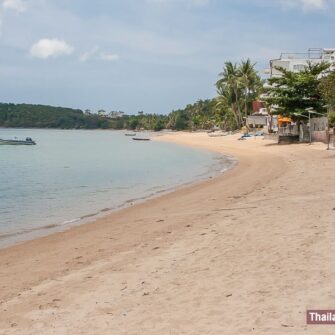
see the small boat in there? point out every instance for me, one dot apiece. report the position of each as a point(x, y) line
point(246, 136)
point(218, 134)
point(27, 141)
point(141, 139)
point(130, 134)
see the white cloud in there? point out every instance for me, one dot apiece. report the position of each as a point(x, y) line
point(96, 55)
point(46, 48)
point(13, 5)
point(86, 56)
point(306, 4)
point(109, 57)
point(16, 5)
point(189, 2)
point(199, 2)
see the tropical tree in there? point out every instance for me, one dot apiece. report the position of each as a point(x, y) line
point(229, 85)
point(250, 83)
point(225, 114)
point(292, 93)
point(225, 105)
point(327, 89)
point(238, 87)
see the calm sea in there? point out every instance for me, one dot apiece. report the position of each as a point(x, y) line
point(72, 176)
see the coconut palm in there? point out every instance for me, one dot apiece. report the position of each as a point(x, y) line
point(238, 85)
point(229, 85)
point(226, 109)
point(249, 80)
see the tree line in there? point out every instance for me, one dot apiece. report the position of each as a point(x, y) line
point(239, 84)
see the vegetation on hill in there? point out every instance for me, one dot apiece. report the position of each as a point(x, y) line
point(238, 86)
point(39, 116)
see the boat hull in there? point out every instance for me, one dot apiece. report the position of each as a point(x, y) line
point(141, 139)
point(15, 142)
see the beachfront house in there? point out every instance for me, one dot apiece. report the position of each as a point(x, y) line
point(260, 118)
point(297, 62)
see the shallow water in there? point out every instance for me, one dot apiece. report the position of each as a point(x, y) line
point(73, 176)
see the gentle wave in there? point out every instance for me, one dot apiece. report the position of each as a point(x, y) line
point(36, 229)
point(107, 173)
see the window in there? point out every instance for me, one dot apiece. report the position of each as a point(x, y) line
point(299, 67)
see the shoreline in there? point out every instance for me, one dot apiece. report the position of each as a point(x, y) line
point(225, 256)
point(12, 239)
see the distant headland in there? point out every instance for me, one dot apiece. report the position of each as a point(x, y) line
point(44, 116)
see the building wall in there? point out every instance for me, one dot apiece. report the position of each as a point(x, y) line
point(320, 136)
point(297, 61)
point(295, 65)
point(319, 123)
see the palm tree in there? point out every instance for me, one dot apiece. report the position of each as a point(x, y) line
point(229, 85)
point(226, 108)
point(248, 80)
point(239, 85)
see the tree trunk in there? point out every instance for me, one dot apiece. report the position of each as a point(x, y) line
point(240, 123)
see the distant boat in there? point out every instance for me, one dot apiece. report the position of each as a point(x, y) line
point(141, 139)
point(130, 134)
point(27, 141)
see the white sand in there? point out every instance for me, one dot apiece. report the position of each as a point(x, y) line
point(247, 252)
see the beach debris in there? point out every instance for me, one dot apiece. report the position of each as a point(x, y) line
point(286, 326)
point(155, 248)
point(229, 295)
point(160, 220)
point(146, 293)
point(234, 209)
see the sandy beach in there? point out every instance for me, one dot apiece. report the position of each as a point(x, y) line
point(247, 252)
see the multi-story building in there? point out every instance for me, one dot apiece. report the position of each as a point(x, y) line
point(297, 62)
point(115, 114)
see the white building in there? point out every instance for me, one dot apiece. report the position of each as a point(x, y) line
point(297, 62)
point(102, 112)
point(115, 114)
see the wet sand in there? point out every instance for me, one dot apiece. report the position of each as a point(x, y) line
point(246, 252)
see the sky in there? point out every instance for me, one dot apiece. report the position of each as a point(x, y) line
point(145, 55)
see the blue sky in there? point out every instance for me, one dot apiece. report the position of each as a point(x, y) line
point(150, 55)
